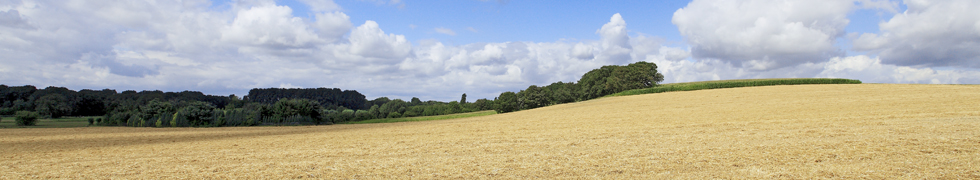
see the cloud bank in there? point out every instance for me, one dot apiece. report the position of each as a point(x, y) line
point(147, 45)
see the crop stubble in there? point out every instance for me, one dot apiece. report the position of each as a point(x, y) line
point(801, 131)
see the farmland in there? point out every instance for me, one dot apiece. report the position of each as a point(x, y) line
point(880, 131)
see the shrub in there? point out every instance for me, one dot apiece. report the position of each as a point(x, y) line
point(394, 115)
point(98, 120)
point(507, 102)
point(363, 115)
point(91, 121)
point(27, 118)
point(7, 111)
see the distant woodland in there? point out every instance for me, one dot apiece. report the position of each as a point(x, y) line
point(311, 106)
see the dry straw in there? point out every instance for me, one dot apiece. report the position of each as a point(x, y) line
point(877, 131)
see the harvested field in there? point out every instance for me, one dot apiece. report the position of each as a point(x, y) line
point(878, 131)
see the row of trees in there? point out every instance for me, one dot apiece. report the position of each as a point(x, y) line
point(283, 112)
point(202, 114)
point(59, 101)
point(301, 106)
point(327, 97)
point(190, 108)
point(594, 84)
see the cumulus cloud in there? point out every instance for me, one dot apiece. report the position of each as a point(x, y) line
point(191, 46)
point(368, 40)
point(615, 41)
point(269, 29)
point(332, 26)
point(872, 70)
point(764, 34)
point(582, 51)
point(929, 33)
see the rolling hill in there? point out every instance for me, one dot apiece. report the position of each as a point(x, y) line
point(880, 131)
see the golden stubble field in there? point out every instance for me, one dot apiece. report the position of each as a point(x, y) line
point(877, 131)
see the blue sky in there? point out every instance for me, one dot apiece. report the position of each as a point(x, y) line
point(440, 49)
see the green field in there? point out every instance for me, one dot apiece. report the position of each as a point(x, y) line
point(691, 86)
point(427, 118)
point(65, 122)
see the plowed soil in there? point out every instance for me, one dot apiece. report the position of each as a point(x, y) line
point(878, 131)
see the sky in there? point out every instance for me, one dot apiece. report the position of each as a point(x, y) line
point(440, 49)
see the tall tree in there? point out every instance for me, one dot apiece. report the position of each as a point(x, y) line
point(463, 99)
point(416, 101)
point(396, 105)
point(506, 102)
point(53, 105)
point(612, 79)
point(532, 97)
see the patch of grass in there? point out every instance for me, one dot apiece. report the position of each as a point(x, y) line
point(65, 122)
point(427, 118)
point(691, 86)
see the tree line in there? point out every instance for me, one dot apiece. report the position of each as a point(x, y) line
point(293, 106)
point(593, 84)
point(266, 106)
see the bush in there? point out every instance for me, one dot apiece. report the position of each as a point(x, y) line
point(27, 118)
point(7, 111)
point(91, 121)
point(394, 115)
point(507, 102)
point(98, 120)
point(363, 115)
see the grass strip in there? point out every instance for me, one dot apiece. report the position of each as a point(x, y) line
point(691, 86)
point(426, 118)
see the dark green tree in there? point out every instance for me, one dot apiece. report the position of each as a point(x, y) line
point(394, 115)
point(506, 102)
point(416, 101)
point(53, 105)
point(560, 93)
point(483, 104)
point(396, 105)
point(612, 79)
point(374, 112)
point(532, 97)
point(197, 113)
point(635, 76)
point(286, 108)
point(463, 99)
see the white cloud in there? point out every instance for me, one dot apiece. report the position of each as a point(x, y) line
point(471, 29)
point(582, 51)
point(615, 41)
point(929, 33)
point(872, 70)
point(446, 31)
point(764, 34)
point(332, 26)
point(368, 40)
point(269, 28)
point(864, 68)
point(253, 44)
